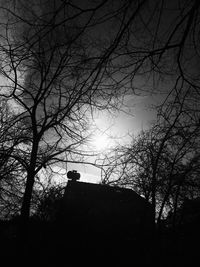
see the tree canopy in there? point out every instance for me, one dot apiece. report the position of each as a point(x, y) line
point(61, 60)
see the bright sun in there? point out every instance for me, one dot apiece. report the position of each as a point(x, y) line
point(100, 142)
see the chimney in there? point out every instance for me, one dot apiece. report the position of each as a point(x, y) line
point(73, 175)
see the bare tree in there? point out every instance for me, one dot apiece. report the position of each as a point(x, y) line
point(162, 53)
point(56, 71)
point(11, 172)
point(64, 59)
point(161, 164)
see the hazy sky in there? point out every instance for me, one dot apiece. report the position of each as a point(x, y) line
point(134, 117)
point(115, 128)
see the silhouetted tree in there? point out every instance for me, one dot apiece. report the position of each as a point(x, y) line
point(61, 60)
point(158, 166)
point(11, 172)
point(179, 115)
point(49, 204)
point(56, 71)
point(163, 49)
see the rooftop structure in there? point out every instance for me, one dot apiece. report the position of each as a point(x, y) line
point(105, 208)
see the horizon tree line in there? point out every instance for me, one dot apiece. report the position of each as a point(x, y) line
point(62, 61)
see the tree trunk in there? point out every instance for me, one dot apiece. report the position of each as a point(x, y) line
point(25, 209)
point(26, 204)
point(163, 204)
point(154, 206)
point(153, 194)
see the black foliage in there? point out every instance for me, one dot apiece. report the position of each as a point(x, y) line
point(68, 241)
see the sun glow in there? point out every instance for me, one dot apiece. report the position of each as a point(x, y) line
point(100, 142)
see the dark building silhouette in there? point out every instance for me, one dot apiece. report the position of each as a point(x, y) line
point(97, 218)
point(191, 211)
point(106, 208)
point(95, 224)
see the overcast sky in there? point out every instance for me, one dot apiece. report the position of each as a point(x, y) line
point(137, 114)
